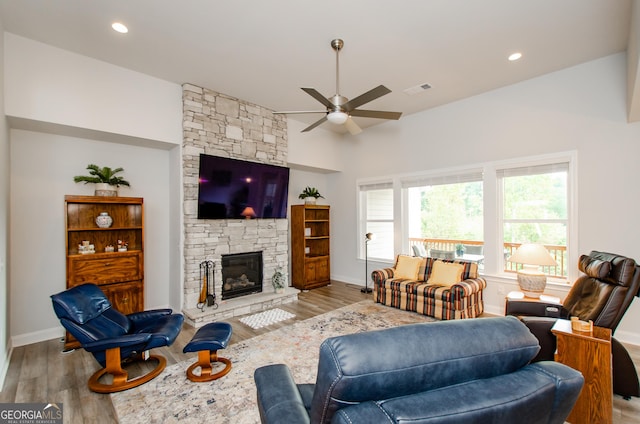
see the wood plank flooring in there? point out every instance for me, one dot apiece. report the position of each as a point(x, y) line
point(41, 373)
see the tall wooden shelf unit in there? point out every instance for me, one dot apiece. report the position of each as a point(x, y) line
point(120, 275)
point(310, 259)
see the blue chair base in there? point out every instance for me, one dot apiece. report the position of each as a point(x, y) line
point(120, 376)
point(206, 342)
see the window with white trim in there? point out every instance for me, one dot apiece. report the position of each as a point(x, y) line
point(445, 210)
point(535, 209)
point(531, 199)
point(376, 206)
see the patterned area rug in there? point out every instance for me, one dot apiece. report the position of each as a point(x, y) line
point(171, 398)
point(262, 319)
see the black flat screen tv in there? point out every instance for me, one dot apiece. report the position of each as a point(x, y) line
point(231, 188)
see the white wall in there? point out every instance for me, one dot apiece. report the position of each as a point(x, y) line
point(581, 108)
point(4, 225)
point(85, 111)
point(39, 182)
point(317, 150)
point(51, 85)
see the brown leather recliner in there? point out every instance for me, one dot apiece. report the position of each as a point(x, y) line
point(602, 294)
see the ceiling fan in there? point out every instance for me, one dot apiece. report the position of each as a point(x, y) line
point(339, 109)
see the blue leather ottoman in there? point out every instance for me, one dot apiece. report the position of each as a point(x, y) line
point(207, 341)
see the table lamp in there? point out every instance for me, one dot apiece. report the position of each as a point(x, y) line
point(531, 280)
point(248, 212)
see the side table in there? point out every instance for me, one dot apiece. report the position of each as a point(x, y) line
point(589, 353)
point(516, 303)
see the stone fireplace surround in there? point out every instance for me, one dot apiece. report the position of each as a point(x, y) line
point(219, 125)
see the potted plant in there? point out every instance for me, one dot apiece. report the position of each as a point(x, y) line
point(105, 179)
point(278, 280)
point(310, 195)
point(460, 249)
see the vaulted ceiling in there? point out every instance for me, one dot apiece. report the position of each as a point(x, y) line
point(265, 51)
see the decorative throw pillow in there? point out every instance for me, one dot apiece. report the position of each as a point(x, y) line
point(445, 273)
point(407, 267)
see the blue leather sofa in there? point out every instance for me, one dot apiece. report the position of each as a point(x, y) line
point(463, 371)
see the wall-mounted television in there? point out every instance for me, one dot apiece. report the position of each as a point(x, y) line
point(231, 188)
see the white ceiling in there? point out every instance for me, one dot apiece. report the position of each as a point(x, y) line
point(264, 51)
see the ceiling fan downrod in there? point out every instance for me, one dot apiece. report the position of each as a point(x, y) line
point(337, 45)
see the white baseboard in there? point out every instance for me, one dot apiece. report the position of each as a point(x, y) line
point(349, 280)
point(37, 336)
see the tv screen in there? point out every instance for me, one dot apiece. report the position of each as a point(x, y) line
point(232, 188)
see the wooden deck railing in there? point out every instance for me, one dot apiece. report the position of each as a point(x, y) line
point(559, 253)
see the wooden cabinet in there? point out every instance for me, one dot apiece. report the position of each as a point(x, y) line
point(310, 259)
point(589, 353)
point(120, 274)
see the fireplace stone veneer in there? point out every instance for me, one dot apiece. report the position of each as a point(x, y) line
point(219, 125)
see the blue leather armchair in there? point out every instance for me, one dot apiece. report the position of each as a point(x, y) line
point(462, 371)
point(112, 337)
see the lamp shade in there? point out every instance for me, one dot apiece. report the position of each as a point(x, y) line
point(337, 117)
point(370, 236)
point(532, 254)
point(248, 212)
point(532, 282)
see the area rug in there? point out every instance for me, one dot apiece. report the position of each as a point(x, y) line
point(262, 319)
point(171, 398)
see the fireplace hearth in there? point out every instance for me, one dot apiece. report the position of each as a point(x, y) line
point(241, 274)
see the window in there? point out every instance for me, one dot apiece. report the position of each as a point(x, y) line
point(376, 205)
point(535, 204)
point(490, 209)
point(445, 211)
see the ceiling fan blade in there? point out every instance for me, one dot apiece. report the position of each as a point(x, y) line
point(315, 124)
point(370, 95)
point(380, 114)
point(352, 127)
point(319, 97)
point(298, 111)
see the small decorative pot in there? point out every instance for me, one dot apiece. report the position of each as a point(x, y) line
point(105, 190)
point(310, 200)
point(104, 220)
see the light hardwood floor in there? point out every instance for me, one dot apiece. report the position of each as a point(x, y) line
point(41, 373)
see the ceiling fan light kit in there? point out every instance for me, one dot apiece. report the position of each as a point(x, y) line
point(339, 109)
point(338, 118)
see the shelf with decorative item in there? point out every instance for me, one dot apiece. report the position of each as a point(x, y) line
point(105, 246)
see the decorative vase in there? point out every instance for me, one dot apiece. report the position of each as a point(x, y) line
point(309, 200)
point(105, 190)
point(104, 220)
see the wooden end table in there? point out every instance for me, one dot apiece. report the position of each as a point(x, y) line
point(589, 353)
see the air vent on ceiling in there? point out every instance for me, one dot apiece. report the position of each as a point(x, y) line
point(417, 89)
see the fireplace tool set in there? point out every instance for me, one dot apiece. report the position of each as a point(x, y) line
point(207, 285)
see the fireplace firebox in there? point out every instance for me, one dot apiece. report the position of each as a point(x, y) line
point(241, 274)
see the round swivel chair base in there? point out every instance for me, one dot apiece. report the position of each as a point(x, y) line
point(120, 377)
point(206, 367)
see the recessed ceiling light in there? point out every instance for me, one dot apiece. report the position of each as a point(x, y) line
point(515, 56)
point(121, 28)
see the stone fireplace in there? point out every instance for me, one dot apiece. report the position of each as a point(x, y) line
point(220, 125)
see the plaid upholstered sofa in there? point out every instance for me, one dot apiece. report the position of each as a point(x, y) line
point(454, 300)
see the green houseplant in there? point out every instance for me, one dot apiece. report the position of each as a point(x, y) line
point(460, 249)
point(310, 195)
point(105, 179)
